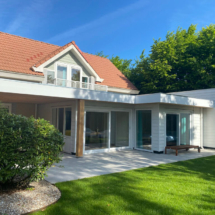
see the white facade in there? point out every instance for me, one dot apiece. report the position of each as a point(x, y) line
point(208, 115)
point(201, 111)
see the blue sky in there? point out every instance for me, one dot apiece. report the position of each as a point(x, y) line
point(116, 27)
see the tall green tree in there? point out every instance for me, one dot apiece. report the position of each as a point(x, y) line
point(123, 65)
point(185, 60)
point(101, 54)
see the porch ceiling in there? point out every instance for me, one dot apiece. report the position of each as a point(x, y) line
point(22, 98)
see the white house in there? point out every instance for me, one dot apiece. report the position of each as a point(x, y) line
point(93, 104)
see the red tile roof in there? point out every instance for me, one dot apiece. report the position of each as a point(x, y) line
point(19, 54)
point(107, 70)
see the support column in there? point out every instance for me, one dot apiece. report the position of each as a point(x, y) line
point(80, 128)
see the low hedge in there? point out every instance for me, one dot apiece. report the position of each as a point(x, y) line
point(28, 147)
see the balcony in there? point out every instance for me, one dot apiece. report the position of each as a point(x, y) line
point(77, 84)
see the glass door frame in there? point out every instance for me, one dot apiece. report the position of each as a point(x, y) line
point(105, 110)
point(135, 129)
point(69, 71)
point(64, 117)
point(179, 126)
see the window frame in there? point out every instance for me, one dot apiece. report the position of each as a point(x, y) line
point(135, 128)
point(64, 117)
point(50, 70)
point(108, 110)
point(69, 71)
point(85, 82)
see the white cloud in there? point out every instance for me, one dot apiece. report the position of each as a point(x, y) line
point(99, 22)
point(28, 17)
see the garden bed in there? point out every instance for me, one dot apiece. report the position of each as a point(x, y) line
point(37, 196)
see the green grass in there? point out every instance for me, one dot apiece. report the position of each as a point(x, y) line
point(186, 187)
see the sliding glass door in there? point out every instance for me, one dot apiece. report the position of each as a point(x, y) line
point(96, 131)
point(106, 130)
point(119, 129)
point(172, 129)
point(178, 129)
point(184, 129)
point(143, 129)
point(62, 120)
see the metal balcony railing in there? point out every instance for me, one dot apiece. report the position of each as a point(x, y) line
point(77, 84)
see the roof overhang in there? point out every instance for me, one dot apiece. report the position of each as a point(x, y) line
point(122, 90)
point(77, 54)
point(36, 89)
point(174, 99)
point(21, 76)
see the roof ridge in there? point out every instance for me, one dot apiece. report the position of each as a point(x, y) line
point(50, 54)
point(1, 32)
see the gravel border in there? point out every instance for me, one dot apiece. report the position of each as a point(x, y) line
point(40, 196)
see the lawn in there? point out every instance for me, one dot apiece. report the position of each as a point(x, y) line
point(186, 187)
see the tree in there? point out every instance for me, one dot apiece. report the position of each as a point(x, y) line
point(183, 61)
point(101, 54)
point(123, 65)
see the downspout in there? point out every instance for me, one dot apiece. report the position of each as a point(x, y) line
point(202, 129)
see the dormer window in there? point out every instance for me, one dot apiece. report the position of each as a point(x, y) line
point(84, 82)
point(50, 77)
point(75, 75)
point(62, 77)
point(71, 75)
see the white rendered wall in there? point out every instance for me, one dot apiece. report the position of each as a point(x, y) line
point(208, 114)
point(176, 109)
point(209, 128)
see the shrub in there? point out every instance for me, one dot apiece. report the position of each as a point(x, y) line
point(28, 147)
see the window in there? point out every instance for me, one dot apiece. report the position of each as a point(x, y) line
point(185, 129)
point(68, 119)
point(84, 82)
point(96, 133)
point(61, 75)
point(62, 119)
point(143, 129)
point(50, 77)
point(172, 129)
point(67, 75)
point(75, 76)
point(119, 129)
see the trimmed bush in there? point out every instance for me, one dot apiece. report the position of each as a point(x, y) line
point(28, 147)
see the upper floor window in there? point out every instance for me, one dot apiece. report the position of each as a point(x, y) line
point(62, 76)
point(75, 75)
point(50, 77)
point(61, 72)
point(67, 75)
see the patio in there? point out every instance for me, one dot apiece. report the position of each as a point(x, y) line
point(72, 168)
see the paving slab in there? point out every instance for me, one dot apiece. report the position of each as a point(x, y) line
point(72, 168)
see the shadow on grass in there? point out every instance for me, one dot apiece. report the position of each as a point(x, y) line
point(185, 187)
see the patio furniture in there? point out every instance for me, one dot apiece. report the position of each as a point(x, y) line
point(187, 147)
